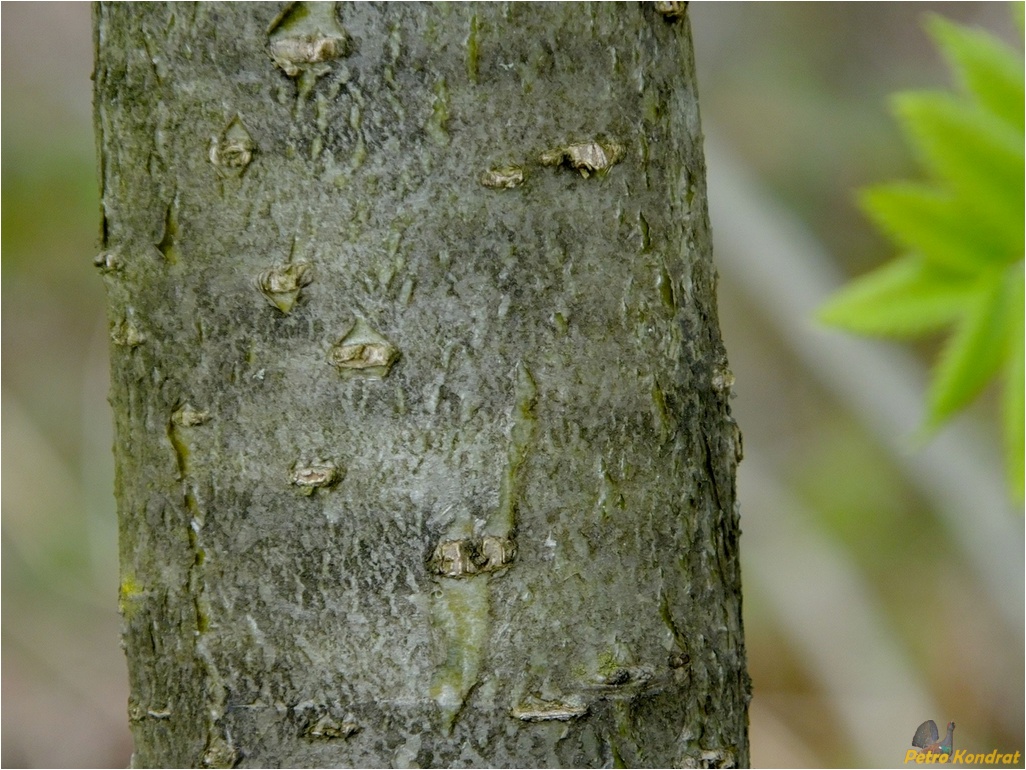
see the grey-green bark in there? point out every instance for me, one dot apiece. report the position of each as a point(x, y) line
point(423, 444)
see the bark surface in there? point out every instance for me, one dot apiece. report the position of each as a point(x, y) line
point(424, 453)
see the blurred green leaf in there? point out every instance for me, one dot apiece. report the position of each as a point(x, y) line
point(963, 234)
point(977, 349)
point(979, 156)
point(900, 299)
point(936, 225)
point(1013, 408)
point(990, 70)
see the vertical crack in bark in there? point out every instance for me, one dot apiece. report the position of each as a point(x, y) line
point(502, 522)
point(667, 616)
point(168, 244)
point(219, 751)
point(710, 469)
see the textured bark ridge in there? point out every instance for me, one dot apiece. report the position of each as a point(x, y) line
point(423, 441)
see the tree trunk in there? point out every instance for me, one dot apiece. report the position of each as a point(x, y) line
point(424, 454)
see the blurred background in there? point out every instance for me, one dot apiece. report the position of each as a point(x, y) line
point(884, 580)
